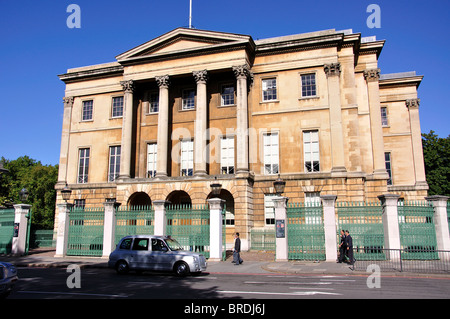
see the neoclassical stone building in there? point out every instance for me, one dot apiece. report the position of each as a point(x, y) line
point(169, 117)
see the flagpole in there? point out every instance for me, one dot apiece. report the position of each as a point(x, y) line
point(190, 14)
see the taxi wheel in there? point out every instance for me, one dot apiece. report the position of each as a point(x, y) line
point(181, 269)
point(122, 267)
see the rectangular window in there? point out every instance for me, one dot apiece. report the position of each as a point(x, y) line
point(187, 158)
point(83, 165)
point(384, 118)
point(87, 110)
point(188, 100)
point(308, 85)
point(79, 203)
point(117, 106)
point(269, 209)
point(114, 163)
point(227, 155)
point(227, 95)
point(271, 153)
point(311, 151)
point(387, 162)
point(312, 200)
point(152, 151)
point(153, 105)
point(269, 89)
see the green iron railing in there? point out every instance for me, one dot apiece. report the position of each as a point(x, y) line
point(6, 230)
point(189, 226)
point(306, 237)
point(364, 222)
point(43, 238)
point(134, 220)
point(263, 239)
point(417, 230)
point(85, 236)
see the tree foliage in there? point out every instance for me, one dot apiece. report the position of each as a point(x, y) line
point(40, 182)
point(436, 152)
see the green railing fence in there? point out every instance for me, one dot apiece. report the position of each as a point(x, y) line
point(364, 222)
point(263, 239)
point(417, 230)
point(306, 237)
point(134, 220)
point(86, 232)
point(6, 230)
point(189, 226)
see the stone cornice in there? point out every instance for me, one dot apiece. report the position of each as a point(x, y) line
point(90, 73)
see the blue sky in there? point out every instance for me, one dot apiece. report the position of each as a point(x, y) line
point(36, 45)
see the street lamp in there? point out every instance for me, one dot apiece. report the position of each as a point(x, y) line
point(216, 187)
point(279, 185)
point(23, 194)
point(65, 192)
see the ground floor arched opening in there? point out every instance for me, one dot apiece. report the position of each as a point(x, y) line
point(179, 198)
point(139, 199)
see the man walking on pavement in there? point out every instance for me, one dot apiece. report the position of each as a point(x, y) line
point(349, 243)
point(237, 249)
point(342, 247)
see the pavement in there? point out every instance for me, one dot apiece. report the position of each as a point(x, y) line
point(254, 262)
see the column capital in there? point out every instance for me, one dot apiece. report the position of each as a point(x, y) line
point(332, 69)
point(163, 81)
point(412, 103)
point(372, 75)
point(200, 76)
point(68, 101)
point(128, 86)
point(242, 71)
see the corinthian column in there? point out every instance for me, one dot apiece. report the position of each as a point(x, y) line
point(379, 169)
point(242, 72)
point(65, 137)
point(127, 129)
point(200, 124)
point(163, 126)
point(416, 139)
point(333, 72)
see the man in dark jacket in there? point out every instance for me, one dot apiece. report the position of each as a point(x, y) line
point(349, 243)
point(237, 249)
point(342, 247)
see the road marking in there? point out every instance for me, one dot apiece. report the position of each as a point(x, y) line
point(287, 283)
point(70, 293)
point(335, 280)
point(297, 293)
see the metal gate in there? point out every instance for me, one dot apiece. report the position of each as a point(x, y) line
point(86, 232)
point(6, 230)
point(364, 221)
point(136, 220)
point(189, 226)
point(417, 230)
point(306, 236)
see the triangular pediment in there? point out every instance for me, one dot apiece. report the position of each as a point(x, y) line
point(183, 40)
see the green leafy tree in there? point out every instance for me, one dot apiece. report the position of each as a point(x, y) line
point(40, 182)
point(436, 152)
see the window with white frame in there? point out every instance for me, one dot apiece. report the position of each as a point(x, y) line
point(269, 89)
point(152, 151)
point(309, 85)
point(311, 151)
point(153, 102)
point(271, 153)
point(87, 110)
point(83, 165)
point(384, 116)
point(188, 99)
point(388, 164)
point(227, 95)
point(312, 201)
point(114, 163)
point(227, 155)
point(117, 106)
point(187, 158)
point(269, 209)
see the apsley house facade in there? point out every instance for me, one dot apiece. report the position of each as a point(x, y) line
point(192, 107)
